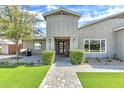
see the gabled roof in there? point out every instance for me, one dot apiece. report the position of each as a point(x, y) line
point(102, 19)
point(61, 9)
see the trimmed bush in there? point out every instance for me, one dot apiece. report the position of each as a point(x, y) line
point(98, 59)
point(48, 57)
point(109, 60)
point(4, 62)
point(76, 56)
point(29, 63)
point(86, 60)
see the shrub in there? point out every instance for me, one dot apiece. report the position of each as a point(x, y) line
point(86, 60)
point(76, 56)
point(114, 56)
point(5, 62)
point(31, 63)
point(48, 57)
point(98, 59)
point(109, 60)
point(24, 63)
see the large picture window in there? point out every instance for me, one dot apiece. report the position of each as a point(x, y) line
point(95, 45)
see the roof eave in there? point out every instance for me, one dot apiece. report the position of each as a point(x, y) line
point(59, 9)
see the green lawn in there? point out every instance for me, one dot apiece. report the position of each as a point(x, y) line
point(22, 76)
point(101, 79)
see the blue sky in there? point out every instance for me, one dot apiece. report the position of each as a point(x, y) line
point(88, 12)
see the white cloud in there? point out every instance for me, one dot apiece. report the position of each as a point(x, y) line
point(75, 9)
point(115, 10)
point(84, 18)
point(87, 17)
point(51, 7)
point(108, 12)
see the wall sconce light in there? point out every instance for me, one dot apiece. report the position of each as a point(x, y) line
point(73, 40)
point(49, 40)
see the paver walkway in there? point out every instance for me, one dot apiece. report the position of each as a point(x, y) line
point(62, 73)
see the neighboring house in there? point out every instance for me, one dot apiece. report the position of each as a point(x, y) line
point(102, 38)
point(37, 44)
point(8, 47)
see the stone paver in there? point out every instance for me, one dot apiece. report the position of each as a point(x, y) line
point(62, 73)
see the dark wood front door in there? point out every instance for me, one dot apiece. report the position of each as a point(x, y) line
point(62, 47)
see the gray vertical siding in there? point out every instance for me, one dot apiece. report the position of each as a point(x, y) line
point(61, 26)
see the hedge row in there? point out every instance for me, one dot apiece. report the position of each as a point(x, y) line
point(76, 56)
point(48, 57)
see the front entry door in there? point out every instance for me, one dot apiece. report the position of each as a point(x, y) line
point(62, 47)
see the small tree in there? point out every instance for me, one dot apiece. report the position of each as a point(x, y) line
point(17, 23)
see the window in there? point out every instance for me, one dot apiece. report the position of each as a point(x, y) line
point(37, 46)
point(95, 45)
point(86, 46)
point(102, 45)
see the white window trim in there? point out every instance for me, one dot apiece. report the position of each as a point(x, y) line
point(100, 45)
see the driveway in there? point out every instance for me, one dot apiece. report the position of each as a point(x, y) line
point(62, 73)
